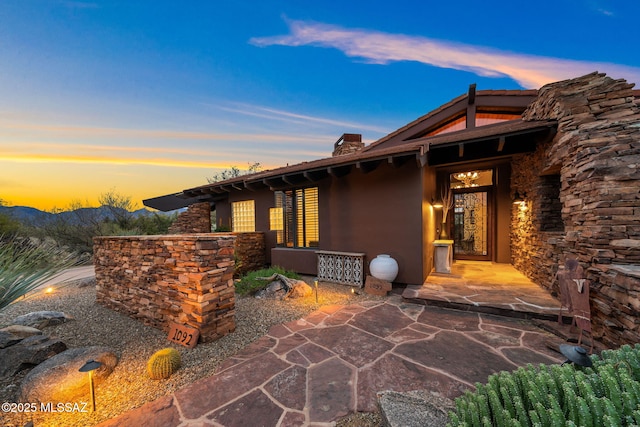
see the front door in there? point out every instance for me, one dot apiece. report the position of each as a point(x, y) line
point(471, 224)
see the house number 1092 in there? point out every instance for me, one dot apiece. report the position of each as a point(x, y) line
point(183, 335)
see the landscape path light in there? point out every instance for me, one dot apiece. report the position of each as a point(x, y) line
point(576, 355)
point(315, 282)
point(89, 367)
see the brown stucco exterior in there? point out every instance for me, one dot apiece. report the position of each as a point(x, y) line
point(380, 212)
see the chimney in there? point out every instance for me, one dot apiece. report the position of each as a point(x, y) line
point(347, 144)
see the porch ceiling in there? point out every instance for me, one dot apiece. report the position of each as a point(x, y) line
point(520, 137)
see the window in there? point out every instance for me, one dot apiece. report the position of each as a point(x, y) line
point(299, 210)
point(243, 216)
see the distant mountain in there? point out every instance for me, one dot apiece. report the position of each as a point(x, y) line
point(33, 216)
point(26, 214)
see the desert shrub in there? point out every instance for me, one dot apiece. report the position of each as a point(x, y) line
point(606, 394)
point(250, 283)
point(25, 264)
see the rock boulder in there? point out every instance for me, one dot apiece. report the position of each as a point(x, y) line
point(41, 319)
point(28, 352)
point(58, 379)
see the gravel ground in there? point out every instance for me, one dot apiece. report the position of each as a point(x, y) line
point(129, 386)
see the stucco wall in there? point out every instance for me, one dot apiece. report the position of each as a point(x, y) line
point(185, 279)
point(379, 212)
point(597, 155)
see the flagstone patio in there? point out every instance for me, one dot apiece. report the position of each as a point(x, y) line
point(315, 370)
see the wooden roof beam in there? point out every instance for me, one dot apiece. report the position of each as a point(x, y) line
point(294, 179)
point(339, 171)
point(315, 175)
point(368, 166)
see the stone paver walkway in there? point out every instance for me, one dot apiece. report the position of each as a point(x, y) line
point(315, 370)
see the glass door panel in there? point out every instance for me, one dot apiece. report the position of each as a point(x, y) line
point(471, 225)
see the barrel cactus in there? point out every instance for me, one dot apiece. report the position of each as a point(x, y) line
point(163, 363)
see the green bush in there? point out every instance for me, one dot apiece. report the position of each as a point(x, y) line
point(250, 284)
point(606, 394)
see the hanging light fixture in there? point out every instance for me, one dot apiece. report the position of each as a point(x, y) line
point(467, 178)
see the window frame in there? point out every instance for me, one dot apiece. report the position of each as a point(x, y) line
point(300, 218)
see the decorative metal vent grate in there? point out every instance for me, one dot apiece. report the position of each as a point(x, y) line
point(341, 267)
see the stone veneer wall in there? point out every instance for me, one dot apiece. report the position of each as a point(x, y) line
point(250, 252)
point(187, 279)
point(196, 219)
point(596, 153)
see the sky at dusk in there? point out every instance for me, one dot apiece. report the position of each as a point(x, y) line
point(147, 98)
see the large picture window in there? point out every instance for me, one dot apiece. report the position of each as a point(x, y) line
point(299, 210)
point(243, 216)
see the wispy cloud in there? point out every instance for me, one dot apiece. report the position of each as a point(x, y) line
point(295, 118)
point(87, 131)
point(375, 47)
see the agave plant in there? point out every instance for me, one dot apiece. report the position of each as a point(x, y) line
point(25, 265)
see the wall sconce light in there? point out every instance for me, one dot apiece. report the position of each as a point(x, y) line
point(518, 199)
point(437, 204)
point(91, 366)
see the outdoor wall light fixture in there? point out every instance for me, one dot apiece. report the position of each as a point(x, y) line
point(437, 204)
point(89, 367)
point(518, 198)
point(576, 355)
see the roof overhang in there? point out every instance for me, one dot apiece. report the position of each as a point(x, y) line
point(171, 202)
point(485, 142)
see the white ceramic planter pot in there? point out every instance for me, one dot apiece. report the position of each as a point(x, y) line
point(384, 267)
